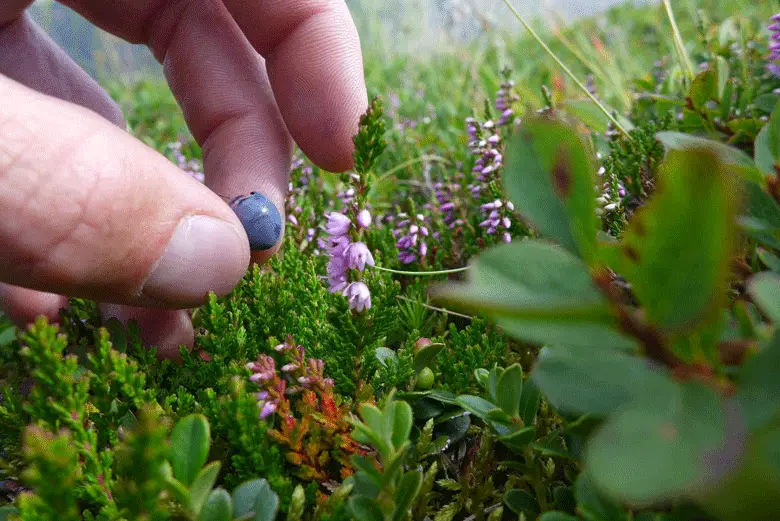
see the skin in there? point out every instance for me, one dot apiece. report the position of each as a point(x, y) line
point(88, 211)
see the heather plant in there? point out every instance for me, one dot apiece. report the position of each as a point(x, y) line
point(547, 290)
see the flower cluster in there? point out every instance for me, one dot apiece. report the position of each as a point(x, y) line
point(485, 145)
point(191, 166)
point(774, 46)
point(446, 195)
point(348, 257)
point(319, 433)
point(611, 192)
point(411, 233)
point(498, 217)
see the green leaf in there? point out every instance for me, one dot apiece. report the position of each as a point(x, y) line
point(704, 89)
point(476, 405)
point(6, 513)
point(365, 509)
point(556, 516)
point(769, 259)
point(367, 468)
point(763, 153)
point(118, 335)
point(492, 383)
point(765, 290)
point(551, 300)
point(406, 494)
point(564, 498)
point(644, 455)
point(722, 72)
point(201, 487)
point(190, 441)
point(7, 336)
point(385, 356)
point(426, 356)
point(549, 176)
point(529, 401)
point(597, 381)
point(759, 386)
point(735, 157)
point(766, 102)
point(521, 502)
point(509, 390)
point(373, 418)
point(255, 498)
point(402, 424)
point(217, 507)
point(592, 504)
point(445, 397)
point(518, 440)
point(680, 244)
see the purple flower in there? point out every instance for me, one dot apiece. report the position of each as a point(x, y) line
point(358, 296)
point(364, 218)
point(267, 410)
point(357, 255)
point(409, 232)
point(774, 56)
point(338, 224)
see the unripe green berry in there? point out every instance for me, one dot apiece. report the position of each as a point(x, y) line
point(425, 379)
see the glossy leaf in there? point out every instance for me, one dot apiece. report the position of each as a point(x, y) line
point(530, 401)
point(518, 440)
point(597, 381)
point(592, 504)
point(406, 494)
point(256, 498)
point(690, 220)
point(704, 89)
point(426, 356)
point(365, 509)
point(642, 455)
point(402, 423)
point(549, 176)
point(385, 356)
point(551, 300)
point(190, 441)
point(509, 390)
point(217, 507)
point(201, 487)
point(521, 502)
point(476, 405)
point(743, 163)
point(765, 290)
point(759, 386)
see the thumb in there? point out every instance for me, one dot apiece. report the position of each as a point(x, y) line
point(88, 211)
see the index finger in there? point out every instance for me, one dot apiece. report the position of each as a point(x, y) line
point(315, 66)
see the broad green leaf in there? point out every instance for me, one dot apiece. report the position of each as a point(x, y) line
point(217, 507)
point(704, 89)
point(539, 293)
point(597, 381)
point(743, 163)
point(722, 72)
point(509, 389)
point(521, 502)
point(201, 487)
point(765, 290)
point(759, 386)
point(6, 513)
point(644, 455)
point(443, 396)
point(190, 441)
point(549, 176)
point(367, 467)
point(426, 356)
point(406, 494)
point(765, 161)
point(774, 134)
point(256, 498)
point(402, 424)
point(564, 498)
point(7, 335)
point(762, 207)
point(372, 417)
point(769, 259)
point(766, 102)
point(680, 244)
point(365, 509)
point(454, 429)
point(476, 405)
point(529, 401)
point(385, 356)
point(556, 516)
point(592, 504)
point(492, 386)
point(519, 440)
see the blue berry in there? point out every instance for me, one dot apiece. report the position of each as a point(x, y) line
point(261, 219)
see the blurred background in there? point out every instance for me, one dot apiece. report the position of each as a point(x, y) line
point(386, 27)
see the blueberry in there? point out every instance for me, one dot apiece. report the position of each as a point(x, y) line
point(261, 219)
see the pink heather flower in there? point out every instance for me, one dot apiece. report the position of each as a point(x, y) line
point(338, 224)
point(774, 47)
point(358, 296)
point(268, 409)
point(358, 255)
point(364, 218)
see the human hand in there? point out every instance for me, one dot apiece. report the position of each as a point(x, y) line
point(86, 210)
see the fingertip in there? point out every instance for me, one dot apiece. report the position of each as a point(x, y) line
point(24, 306)
point(166, 330)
